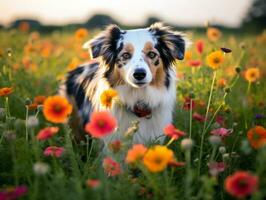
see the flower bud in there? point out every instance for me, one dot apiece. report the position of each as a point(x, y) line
point(215, 140)
point(27, 102)
point(222, 150)
point(187, 144)
point(40, 168)
point(32, 121)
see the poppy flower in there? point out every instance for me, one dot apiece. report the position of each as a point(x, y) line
point(101, 124)
point(188, 103)
point(107, 97)
point(194, 63)
point(222, 132)
point(56, 109)
point(5, 91)
point(199, 46)
point(54, 151)
point(241, 184)
point(136, 153)
point(257, 137)
point(93, 183)
point(198, 117)
point(173, 132)
point(157, 158)
point(47, 133)
point(252, 74)
point(12, 193)
point(215, 59)
point(213, 34)
point(111, 167)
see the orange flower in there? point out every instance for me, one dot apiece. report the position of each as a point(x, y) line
point(188, 55)
point(81, 33)
point(101, 124)
point(56, 109)
point(32, 106)
point(215, 59)
point(252, 74)
point(136, 153)
point(107, 97)
point(5, 91)
point(47, 133)
point(221, 82)
point(257, 137)
point(173, 132)
point(39, 99)
point(157, 158)
point(213, 34)
point(241, 184)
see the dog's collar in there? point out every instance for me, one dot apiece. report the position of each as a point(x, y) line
point(141, 110)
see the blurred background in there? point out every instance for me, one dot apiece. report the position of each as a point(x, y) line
point(50, 15)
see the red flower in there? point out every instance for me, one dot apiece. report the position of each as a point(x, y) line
point(188, 103)
point(13, 193)
point(194, 63)
point(47, 133)
point(172, 132)
point(93, 183)
point(111, 167)
point(220, 120)
point(198, 117)
point(241, 184)
point(199, 46)
point(101, 124)
point(54, 151)
point(115, 146)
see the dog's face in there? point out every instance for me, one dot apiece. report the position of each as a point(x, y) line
point(139, 57)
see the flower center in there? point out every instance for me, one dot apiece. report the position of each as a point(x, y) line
point(158, 160)
point(101, 123)
point(242, 184)
point(216, 60)
point(57, 108)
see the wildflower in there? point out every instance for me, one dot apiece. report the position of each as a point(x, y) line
point(115, 146)
point(39, 100)
point(41, 168)
point(252, 74)
point(136, 153)
point(198, 117)
point(221, 82)
point(241, 184)
point(81, 33)
point(101, 124)
point(194, 63)
point(93, 183)
point(111, 167)
point(32, 121)
point(12, 193)
point(216, 167)
point(172, 132)
point(215, 59)
point(107, 97)
point(54, 151)
point(222, 132)
point(199, 46)
point(187, 144)
point(188, 103)
point(32, 106)
point(257, 137)
point(5, 91)
point(56, 109)
point(215, 140)
point(157, 158)
point(220, 120)
point(213, 34)
point(47, 133)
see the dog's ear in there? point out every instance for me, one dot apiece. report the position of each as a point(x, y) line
point(171, 44)
point(105, 43)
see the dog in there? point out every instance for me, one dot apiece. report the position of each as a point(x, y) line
point(139, 65)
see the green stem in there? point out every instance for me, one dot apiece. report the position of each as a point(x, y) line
point(188, 179)
point(190, 119)
point(26, 123)
point(205, 123)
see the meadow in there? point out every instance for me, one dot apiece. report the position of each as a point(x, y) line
point(215, 148)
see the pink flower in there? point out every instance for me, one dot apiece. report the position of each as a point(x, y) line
point(220, 120)
point(111, 167)
point(54, 151)
point(13, 193)
point(223, 132)
point(47, 133)
point(198, 117)
point(216, 167)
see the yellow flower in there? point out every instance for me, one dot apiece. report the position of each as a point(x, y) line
point(252, 74)
point(157, 158)
point(215, 59)
point(213, 34)
point(107, 97)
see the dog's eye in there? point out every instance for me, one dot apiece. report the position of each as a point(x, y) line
point(151, 54)
point(126, 56)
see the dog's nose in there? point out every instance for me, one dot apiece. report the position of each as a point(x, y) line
point(139, 74)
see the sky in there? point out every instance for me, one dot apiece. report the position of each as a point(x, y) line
point(182, 12)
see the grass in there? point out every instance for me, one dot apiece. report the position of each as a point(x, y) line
point(33, 64)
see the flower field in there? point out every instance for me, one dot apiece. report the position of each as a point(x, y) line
point(214, 149)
